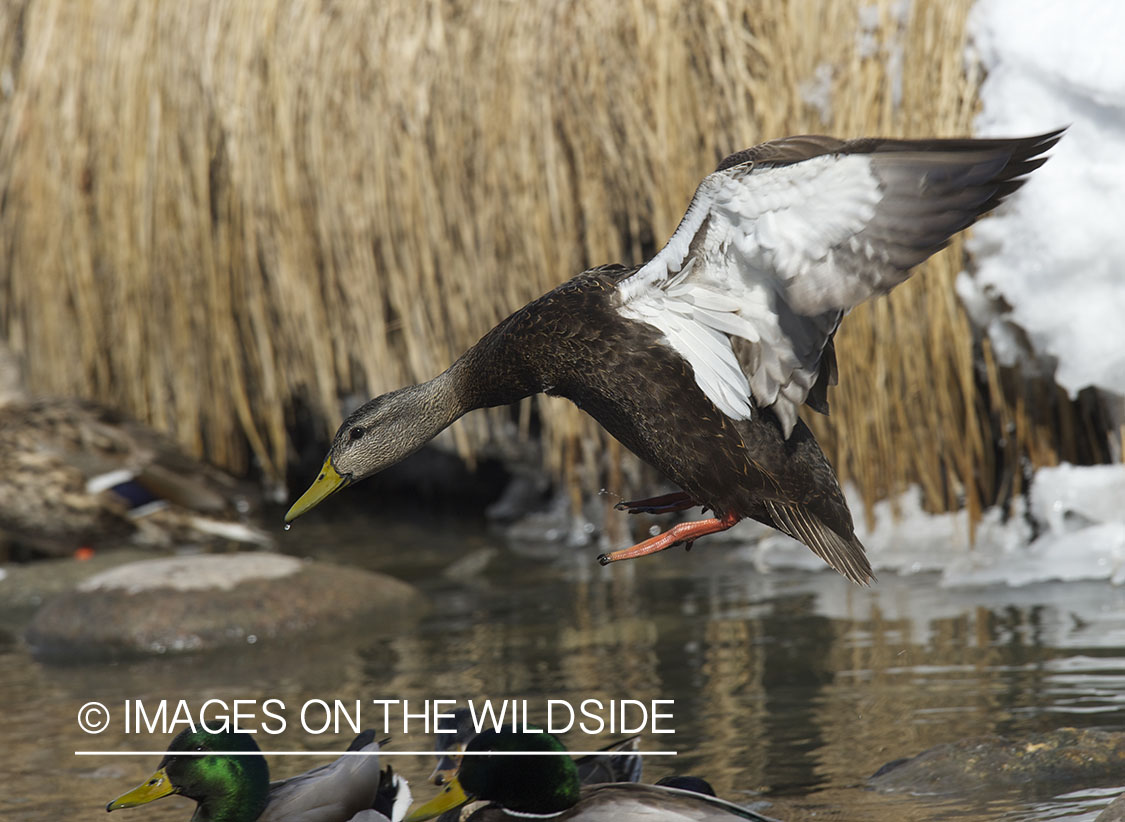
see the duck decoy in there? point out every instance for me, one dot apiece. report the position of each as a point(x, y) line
point(229, 780)
point(546, 785)
point(699, 360)
point(75, 474)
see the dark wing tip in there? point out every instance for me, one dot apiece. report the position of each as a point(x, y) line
point(1026, 155)
point(936, 188)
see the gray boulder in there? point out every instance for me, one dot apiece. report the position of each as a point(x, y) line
point(1038, 764)
point(206, 601)
point(1114, 811)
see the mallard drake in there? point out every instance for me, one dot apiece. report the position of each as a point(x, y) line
point(237, 788)
point(616, 762)
point(699, 360)
point(75, 474)
point(546, 784)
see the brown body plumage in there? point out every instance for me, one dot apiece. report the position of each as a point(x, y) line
point(571, 343)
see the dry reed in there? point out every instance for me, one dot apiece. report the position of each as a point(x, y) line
point(210, 211)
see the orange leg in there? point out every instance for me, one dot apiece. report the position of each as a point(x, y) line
point(664, 504)
point(684, 532)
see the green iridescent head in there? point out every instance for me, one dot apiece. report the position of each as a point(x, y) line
point(202, 766)
point(493, 770)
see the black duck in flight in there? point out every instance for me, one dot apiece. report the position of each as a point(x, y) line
point(699, 360)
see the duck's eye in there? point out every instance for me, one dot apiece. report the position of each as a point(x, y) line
point(356, 432)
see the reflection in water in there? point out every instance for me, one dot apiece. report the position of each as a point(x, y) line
point(795, 686)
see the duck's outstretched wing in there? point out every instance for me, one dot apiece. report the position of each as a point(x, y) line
point(785, 237)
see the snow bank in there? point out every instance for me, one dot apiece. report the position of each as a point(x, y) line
point(1070, 528)
point(1077, 513)
point(1056, 253)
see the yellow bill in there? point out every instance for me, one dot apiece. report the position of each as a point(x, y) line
point(156, 786)
point(453, 796)
point(327, 484)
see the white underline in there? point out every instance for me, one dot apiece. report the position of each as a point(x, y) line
point(376, 753)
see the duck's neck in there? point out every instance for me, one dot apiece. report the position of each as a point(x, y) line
point(493, 372)
point(435, 404)
point(237, 790)
point(237, 807)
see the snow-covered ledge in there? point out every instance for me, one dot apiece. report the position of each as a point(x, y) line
point(1071, 527)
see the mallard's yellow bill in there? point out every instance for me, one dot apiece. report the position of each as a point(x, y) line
point(155, 787)
point(453, 796)
point(327, 484)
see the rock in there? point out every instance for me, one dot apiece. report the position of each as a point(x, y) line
point(1038, 764)
point(27, 586)
point(206, 601)
point(1114, 811)
point(199, 572)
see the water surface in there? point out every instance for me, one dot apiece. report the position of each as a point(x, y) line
point(790, 687)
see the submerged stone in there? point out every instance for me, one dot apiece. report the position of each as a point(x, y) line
point(1042, 763)
point(206, 601)
point(25, 587)
point(1114, 811)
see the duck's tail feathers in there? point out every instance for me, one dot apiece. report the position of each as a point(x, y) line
point(393, 797)
point(844, 554)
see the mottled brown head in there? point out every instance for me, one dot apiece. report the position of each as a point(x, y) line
point(383, 432)
point(379, 434)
